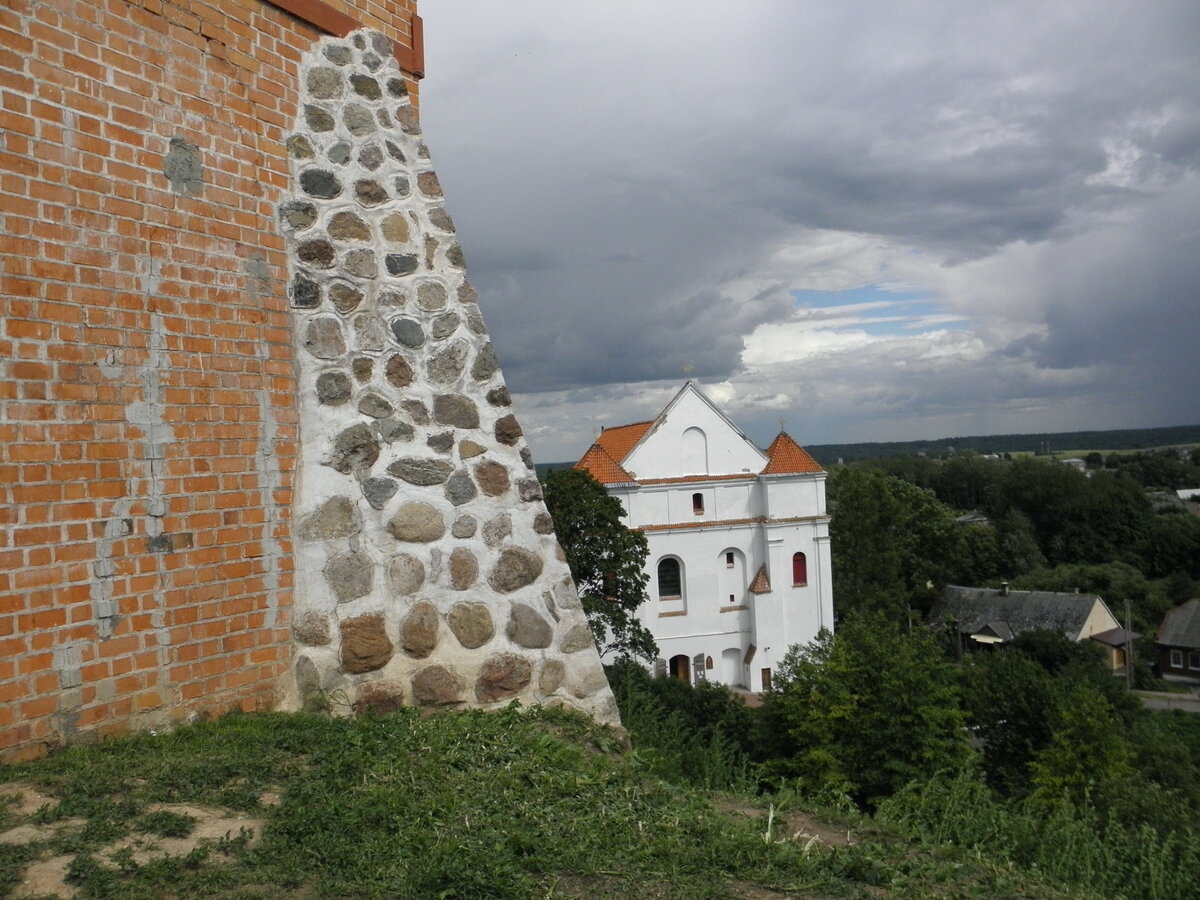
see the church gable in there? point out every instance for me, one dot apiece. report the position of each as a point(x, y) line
point(692, 437)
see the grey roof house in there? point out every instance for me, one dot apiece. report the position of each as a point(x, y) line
point(1178, 642)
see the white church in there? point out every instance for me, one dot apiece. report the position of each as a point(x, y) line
point(739, 562)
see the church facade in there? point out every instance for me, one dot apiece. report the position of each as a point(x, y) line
point(739, 565)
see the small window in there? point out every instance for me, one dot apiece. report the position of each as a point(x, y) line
point(698, 504)
point(708, 662)
point(1176, 659)
point(766, 679)
point(729, 559)
point(731, 600)
point(799, 569)
point(1194, 660)
point(670, 584)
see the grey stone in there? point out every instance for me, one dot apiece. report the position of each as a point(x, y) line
point(527, 458)
point(551, 677)
point(464, 568)
point(397, 88)
point(431, 246)
point(381, 44)
point(369, 334)
point(467, 294)
point(460, 489)
point(318, 119)
point(419, 630)
point(362, 366)
point(428, 184)
point(397, 371)
point(308, 679)
point(529, 489)
point(325, 83)
point(499, 397)
point(359, 42)
point(376, 407)
point(492, 478)
point(431, 296)
point(339, 153)
point(366, 87)
point(446, 366)
point(586, 677)
point(526, 628)
point(355, 449)
point(344, 297)
point(365, 644)
point(389, 299)
point(400, 264)
point(306, 294)
point(319, 183)
point(369, 193)
point(416, 411)
point(318, 253)
point(543, 523)
point(456, 410)
point(472, 624)
point(323, 338)
point(486, 365)
point(454, 256)
point(422, 151)
point(371, 62)
point(444, 326)
point(407, 119)
point(548, 600)
point(350, 575)
point(496, 529)
point(407, 574)
point(508, 430)
point(440, 219)
point(370, 157)
point(468, 449)
point(299, 215)
point(419, 471)
point(336, 518)
point(385, 120)
point(502, 676)
point(436, 686)
point(312, 628)
point(475, 323)
point(299, 147)
point(395, 229)
point(578, 637)
point(408, 333)
point(183, 168)
point(358, 120)
point(390, 431)
point(333, 388)
point(394, 152)
point(417, 522)
point(464, 527)
point(338, 54)
point(442, 442)
point(360, 263)
point(346, 226)
point(401, 186)
point(378, 491)
point(566, 596)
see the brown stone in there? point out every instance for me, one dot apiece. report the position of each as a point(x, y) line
point(407, 574)
point(398, 372)
point(346, 226)
point(416, 410)
point(365, 644)
point(312, 628)
point(344, 297)
point(318, 253)
point(436, 686)
point(419, 630)
point(464, 569)
point(378, 697)
point(502, 676)
point(336, 518)
point(431, 296)
point(420, 471)
point(395, 229)
point(472, 624)
point(579, 637)
point(455, 409)
point(369, 193)
point(440, 219)
point(543, 523)
point(428, 184)
point(527, 628)
point(468, 449)
point(492, 478)
point(551, 677)
point(417, 522)
point(508, 430)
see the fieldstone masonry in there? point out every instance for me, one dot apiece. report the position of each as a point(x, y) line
point(427, 568)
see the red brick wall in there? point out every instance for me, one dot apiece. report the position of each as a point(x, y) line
point(147, 415)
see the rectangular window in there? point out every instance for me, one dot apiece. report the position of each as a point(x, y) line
point(729, 559)
point(766, 679)
point(698, 504)
point(1194, 660)
point(1176, 659)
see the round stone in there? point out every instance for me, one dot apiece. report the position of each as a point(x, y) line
point(362, 367)
point(526, 628)
point(350, 576)
point(306, 294)
point(312, 628)
point(360, 263)
point(456, 410)
point(355, 449)
point(390, 430)
point(401, 263)
point(529, 489)
point(464, 527)
point(499, 397)
point(407, 574)
point(428, 184)
point(440, 219)
point(475, 323)
point(419, 630)
point(323, 338)
point(333, 388)
point(419, 471)
point(358, 120)
point(318, 253)
point(406, 117)
point(397, 88)
point(379, 697)
point(431, 296)
point(579, 637)
point(502, 676)
point(447, 366)
point(516, 568)
point(464, 569)
point(299, 215)
point(344, 297)
point(395, 229)
point(486, 365)
point(442, 442)
point(408, 333)
point(491, 477)
point(378, 491)
point(398, 372)
point(319, 183)
point(460, 489)
point(373, 405)
point(299, 147)
point(339, 153)
point(472, 624)
point(366, 86)
point(402, 187)
point(496, 529)
point(370, 157)
point(543, 523)
point(318, 119)
point(454, 256)
point(416, 411)
point(417, 522)
point(369, 193)
point(369, 335)
point(346, 226)
point(338, 54)
point(551, 677)
point(436, 686)
point(325, 83)
point(508, 430)
point(336, 518)
point(365, 644)
point(444, 326)
point(467, 294)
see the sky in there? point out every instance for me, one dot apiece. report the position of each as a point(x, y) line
point(859, 221)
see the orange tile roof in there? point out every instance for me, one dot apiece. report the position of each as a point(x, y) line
point(618, 441)
point(761, 583)
point(603, 467)
point(789, 458)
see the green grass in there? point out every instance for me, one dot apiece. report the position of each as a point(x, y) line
point(458, 805)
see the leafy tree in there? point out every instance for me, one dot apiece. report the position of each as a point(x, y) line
point(1087, 751)
point(607, 560)
point(866, 710)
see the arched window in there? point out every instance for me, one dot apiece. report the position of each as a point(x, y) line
point(799, 569)
point(670, 581)
point(698, 503)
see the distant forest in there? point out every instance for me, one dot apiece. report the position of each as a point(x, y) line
point(1052, 442)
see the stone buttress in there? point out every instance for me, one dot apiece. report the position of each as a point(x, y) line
point(427, 568)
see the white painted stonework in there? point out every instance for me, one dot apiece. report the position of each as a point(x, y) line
point(754, 512)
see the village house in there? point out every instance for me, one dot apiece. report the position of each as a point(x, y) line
point(739, 566)
point(1179, 643)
